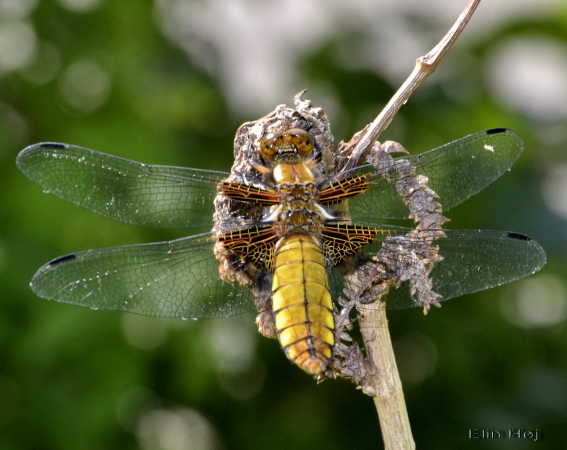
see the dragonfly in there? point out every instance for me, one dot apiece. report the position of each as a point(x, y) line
point(180, 278)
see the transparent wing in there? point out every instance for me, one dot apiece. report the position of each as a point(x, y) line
point(456, 172)
point(473, 260)
point(127, 191)
point(176, 279)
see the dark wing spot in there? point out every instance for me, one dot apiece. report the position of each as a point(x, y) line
point(520, 237)
point(62, 259)
point(52, 145)
point(496, 130)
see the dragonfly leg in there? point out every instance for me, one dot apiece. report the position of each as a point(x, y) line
point(265, 319)
point(266, 324)
point(349, 361)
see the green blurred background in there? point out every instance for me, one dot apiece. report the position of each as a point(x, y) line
point(169, 82)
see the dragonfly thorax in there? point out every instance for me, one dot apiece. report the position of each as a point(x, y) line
point(293, 174)
point(298, 209)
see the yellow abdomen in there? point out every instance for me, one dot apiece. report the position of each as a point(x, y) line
point(302, 304)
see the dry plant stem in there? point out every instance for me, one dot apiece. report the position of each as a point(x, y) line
point(389, 400)
point(424, 66)
point(385, 381)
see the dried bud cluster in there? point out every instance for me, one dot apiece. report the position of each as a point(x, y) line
point(412, 257)
point(408, 258)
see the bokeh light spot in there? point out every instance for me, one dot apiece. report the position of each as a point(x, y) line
point(244, 385)
point(528, 74)
point(14, 129)
point(132, 403)
point(176, 429)
point(555, 189)
point(539, 302)
point(17, 45)
point(85, 86)
point(45, 65)
point(79, 5)
point(145, 333)
point(16, 9)
point(232, 343)
point(416, 356)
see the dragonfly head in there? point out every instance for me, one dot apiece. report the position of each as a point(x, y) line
point(289, 146)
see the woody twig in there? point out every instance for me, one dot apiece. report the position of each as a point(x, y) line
point(385, 381)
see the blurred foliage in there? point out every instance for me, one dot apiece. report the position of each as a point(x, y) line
point(77, 379)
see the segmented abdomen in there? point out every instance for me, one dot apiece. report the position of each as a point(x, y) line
point(302, 303)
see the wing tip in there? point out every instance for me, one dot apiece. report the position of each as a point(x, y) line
point(24, 155)
point(31, 150)
point(36, 283)
point(534, 247)
point(516, 143)
point(505, 131)
point(542, 255)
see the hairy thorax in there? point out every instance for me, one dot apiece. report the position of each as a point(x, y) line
point(298, 209)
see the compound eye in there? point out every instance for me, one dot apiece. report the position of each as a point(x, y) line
point(302, 141)
point(267, 150)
